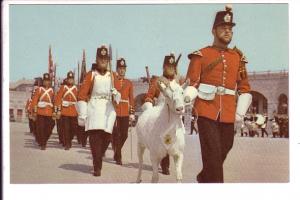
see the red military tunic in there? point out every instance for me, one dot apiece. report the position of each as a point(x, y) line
point(43, 95)
point(66, 99)
point(225, 73)
point(126, 105)
point(153, 91)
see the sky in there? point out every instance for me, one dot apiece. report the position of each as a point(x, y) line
point(142, 34)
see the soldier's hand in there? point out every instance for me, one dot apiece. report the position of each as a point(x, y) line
point(54, 116)
point(131, 118)
point(58, 115)
point(114, 91)
point(116, 95)
point(81, 121)
point(34, 116)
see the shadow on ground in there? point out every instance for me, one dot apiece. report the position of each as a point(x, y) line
point(77, 167)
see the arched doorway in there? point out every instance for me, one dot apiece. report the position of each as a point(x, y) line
point(282, 107)
point(259, 103)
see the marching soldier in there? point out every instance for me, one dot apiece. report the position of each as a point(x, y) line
point(28, 114)
point(42, 107)
point(32, 125)
point(264, 126)
point(125, 110)
point(59, 124)
point(95, 106)
point(215, 71)
point(170, 72)
point(64, 108)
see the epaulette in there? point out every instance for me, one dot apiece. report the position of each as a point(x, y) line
point(241, 54)
point(196, 53)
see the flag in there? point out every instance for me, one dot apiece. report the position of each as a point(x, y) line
point(50, 64)
point(83, 68)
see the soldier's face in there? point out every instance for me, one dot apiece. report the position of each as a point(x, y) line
point(46, 83)
point(121, 71)
point(70, 81)
point(223, 33)
point(102, 63)
point(169, 71)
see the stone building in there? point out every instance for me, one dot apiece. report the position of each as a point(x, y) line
point(19, 92)
point(269, 89)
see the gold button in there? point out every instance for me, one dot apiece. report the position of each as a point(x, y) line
point(224, 61)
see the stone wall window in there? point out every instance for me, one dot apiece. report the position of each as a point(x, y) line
point(19, 115)
point(11, 115)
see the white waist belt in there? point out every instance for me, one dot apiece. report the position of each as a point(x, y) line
point(68, 103)
point(107, 97)
point(124, 101)
point(222, 91)
point(208, 92)
point(43, 104)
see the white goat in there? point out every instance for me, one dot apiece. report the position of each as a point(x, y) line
point(160, 129)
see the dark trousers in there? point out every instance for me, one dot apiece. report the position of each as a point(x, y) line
point(120, 135)
point(83, 134)
point(216, 140)
point(31, 125)
point(44, 129)
point(98, 141)
point(165, 163)
point(60, 131)
point(70, 127)
point(193, 128)
point(263, 130)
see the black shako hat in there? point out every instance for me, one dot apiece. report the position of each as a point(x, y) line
point(102, 52)
point(169, 60)
point(121, 63)
point(224, 17)
point(46, 77)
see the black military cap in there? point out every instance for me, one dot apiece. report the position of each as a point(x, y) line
point(64, 82)
point(169, 60)
point(70, 74)
point(224, 17)
point(46, 76)
point(121, 63)
point(38, 81)
point(102, 52)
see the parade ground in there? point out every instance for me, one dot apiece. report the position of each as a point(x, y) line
point(252, 160)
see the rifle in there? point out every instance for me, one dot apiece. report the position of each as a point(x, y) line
point(147, 74)
point(176, 63)
point(110, 67)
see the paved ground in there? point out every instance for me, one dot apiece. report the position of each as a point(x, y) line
point(251, 160)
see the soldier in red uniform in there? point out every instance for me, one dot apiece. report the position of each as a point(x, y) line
point(95, 106)
point(32, 125)
point(42, 107)
point(169, 72)
point(59, 125)
point(124, 110)
point(65, 101)
point(217, 73)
